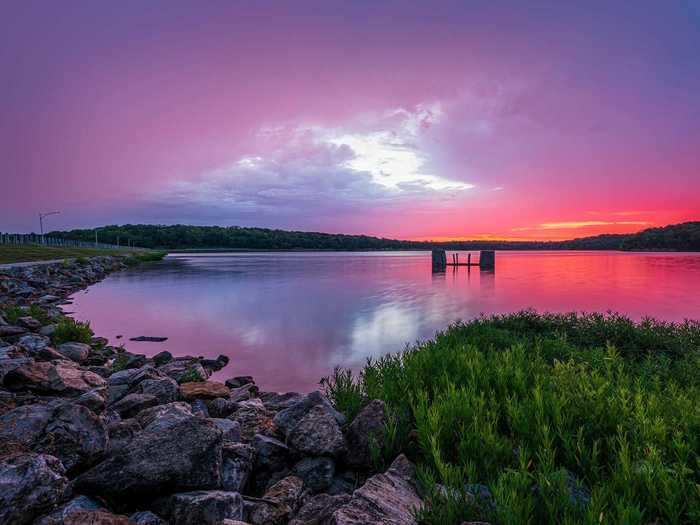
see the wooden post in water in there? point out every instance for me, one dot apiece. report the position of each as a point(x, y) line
point(469, 261)
point(487, 260)
point(439, 260)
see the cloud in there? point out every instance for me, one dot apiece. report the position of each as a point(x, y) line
point(375, 160)
point(572, 225)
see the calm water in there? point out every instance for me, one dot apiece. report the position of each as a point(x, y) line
point(289, 318)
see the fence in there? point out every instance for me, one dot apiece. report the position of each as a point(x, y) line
point(33, 238)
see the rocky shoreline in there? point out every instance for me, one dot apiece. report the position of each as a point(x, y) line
point(93, 434)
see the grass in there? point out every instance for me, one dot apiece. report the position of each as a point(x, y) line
point(137, 258)
point(560, 418)
point(35, 252)
point(13, 313)
point(69, 330)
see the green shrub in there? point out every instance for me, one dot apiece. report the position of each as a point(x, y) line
point(566, 418)
point(120, 362)
point(190, 376)
point(13, 313)
point(70, 330)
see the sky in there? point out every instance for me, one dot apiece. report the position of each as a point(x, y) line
point(415, 120)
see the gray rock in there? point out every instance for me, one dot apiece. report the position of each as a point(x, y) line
point(254, 419)
point(93, 399)
point(11, 331)
point(271, 456)
point(236, 466)
point(202, 507)
point(164, 389)
point(162, 358)
point(184, 369)
point(365, 432)
point(121, 433)
point(236, 382)
point(30, 485)
point(287, 419)
point(64, 378)
point(231, 430)
point(390, 498)
point(180, 454)
point(96, 517)
point(132, 404)
point(62, 513)
point(146, 517)
point(169, 412)
point(77, 352)
point(34, 342)
point(47, 330)
point(71, 432)
point(278, 503)
point(318, 434)
point(318, 509)
point(199, 408)
point(29, 322)
point(220, 407)
point(244, 393)
point(275, 401)
point(317, 473)
point(134, 360)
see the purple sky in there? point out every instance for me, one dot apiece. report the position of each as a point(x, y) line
point(440, 119)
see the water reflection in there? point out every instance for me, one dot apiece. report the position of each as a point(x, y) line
point(288, 318)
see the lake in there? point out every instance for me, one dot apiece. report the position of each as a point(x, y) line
point(288, 318)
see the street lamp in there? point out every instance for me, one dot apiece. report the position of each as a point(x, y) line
point(41, 222)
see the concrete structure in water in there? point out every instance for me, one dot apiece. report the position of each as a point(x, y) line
point(487, 260)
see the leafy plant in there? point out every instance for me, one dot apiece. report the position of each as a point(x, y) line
point(70, 330)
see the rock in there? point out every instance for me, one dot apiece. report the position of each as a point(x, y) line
point(164, 389)
point(244, 393)
point(390, 498)
point(317, 473)
point(276, 402)
point(58, 516)
point(202, 507)
point(184, 370)
point(47, 330)
point(29, 322)
point(77, 352)
point(231, 430)
point(203, 390)
point(71, 432)
point(11, 331)
point(168, 455)
point(221, 407)
point(129, 380)
point(162, 358)
point(96, 517)
point(271, 455)
point(63, 378)
point(236, 466)
point(253, 418)
point(366, 431)
point(120, 435)
point(34, 342)
point(214, 365)
point(278, 503)
point(318, 509)
point(146, 517)
point(344, 483)
point(93, 399)
point(134, 360)
point(150, 339)
point(30, 485)
point(132, 404)
point(318, 434)
point(239, 381)
point(48, 354)
point(170, 412)
point(199, 408)
point(288, 418)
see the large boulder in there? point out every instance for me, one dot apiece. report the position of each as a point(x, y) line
point(167, 456)
point(290, 417)
point(203, 390)
point(77, 352)
point(120, 435)
point(254, 419)
point(271, 456)
point(318, 509)
point(318, 434)
point(30, 485)
point(278, 503)
point(59, 516)
point(131, 404)
point(236, 466)
point(33, 343)
point(202, 507)
point(390, 498)
point(231, 429)
point(71, 432)
point(317, 473)
point(164, 389)
point(365, 433)
point(64, 378)
point(169, 412)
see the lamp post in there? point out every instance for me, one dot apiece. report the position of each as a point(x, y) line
point(41, 222)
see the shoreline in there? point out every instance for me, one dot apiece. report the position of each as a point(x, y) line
point(91, 433)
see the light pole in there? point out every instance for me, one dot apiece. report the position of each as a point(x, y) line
point(41, 222)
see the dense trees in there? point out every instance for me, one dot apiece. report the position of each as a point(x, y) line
point(676, 237)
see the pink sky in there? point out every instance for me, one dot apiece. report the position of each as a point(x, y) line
point(439, 120)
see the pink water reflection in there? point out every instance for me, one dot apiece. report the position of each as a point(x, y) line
point(289, 318)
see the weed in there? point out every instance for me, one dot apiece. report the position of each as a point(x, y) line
point(70, 330)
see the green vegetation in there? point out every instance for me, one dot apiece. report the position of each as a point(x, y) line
point(70, 330)
point(13, 313)
point(120, 362)
point(35, 252)
point(566, 419)
point(679, 237)
point(190, 376)
point(141, 257)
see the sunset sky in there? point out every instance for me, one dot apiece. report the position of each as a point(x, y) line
point(416, 120)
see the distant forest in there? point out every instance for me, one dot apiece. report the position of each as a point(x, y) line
point(678, 237)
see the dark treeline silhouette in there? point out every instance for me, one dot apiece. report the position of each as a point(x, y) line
point(678, 237)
